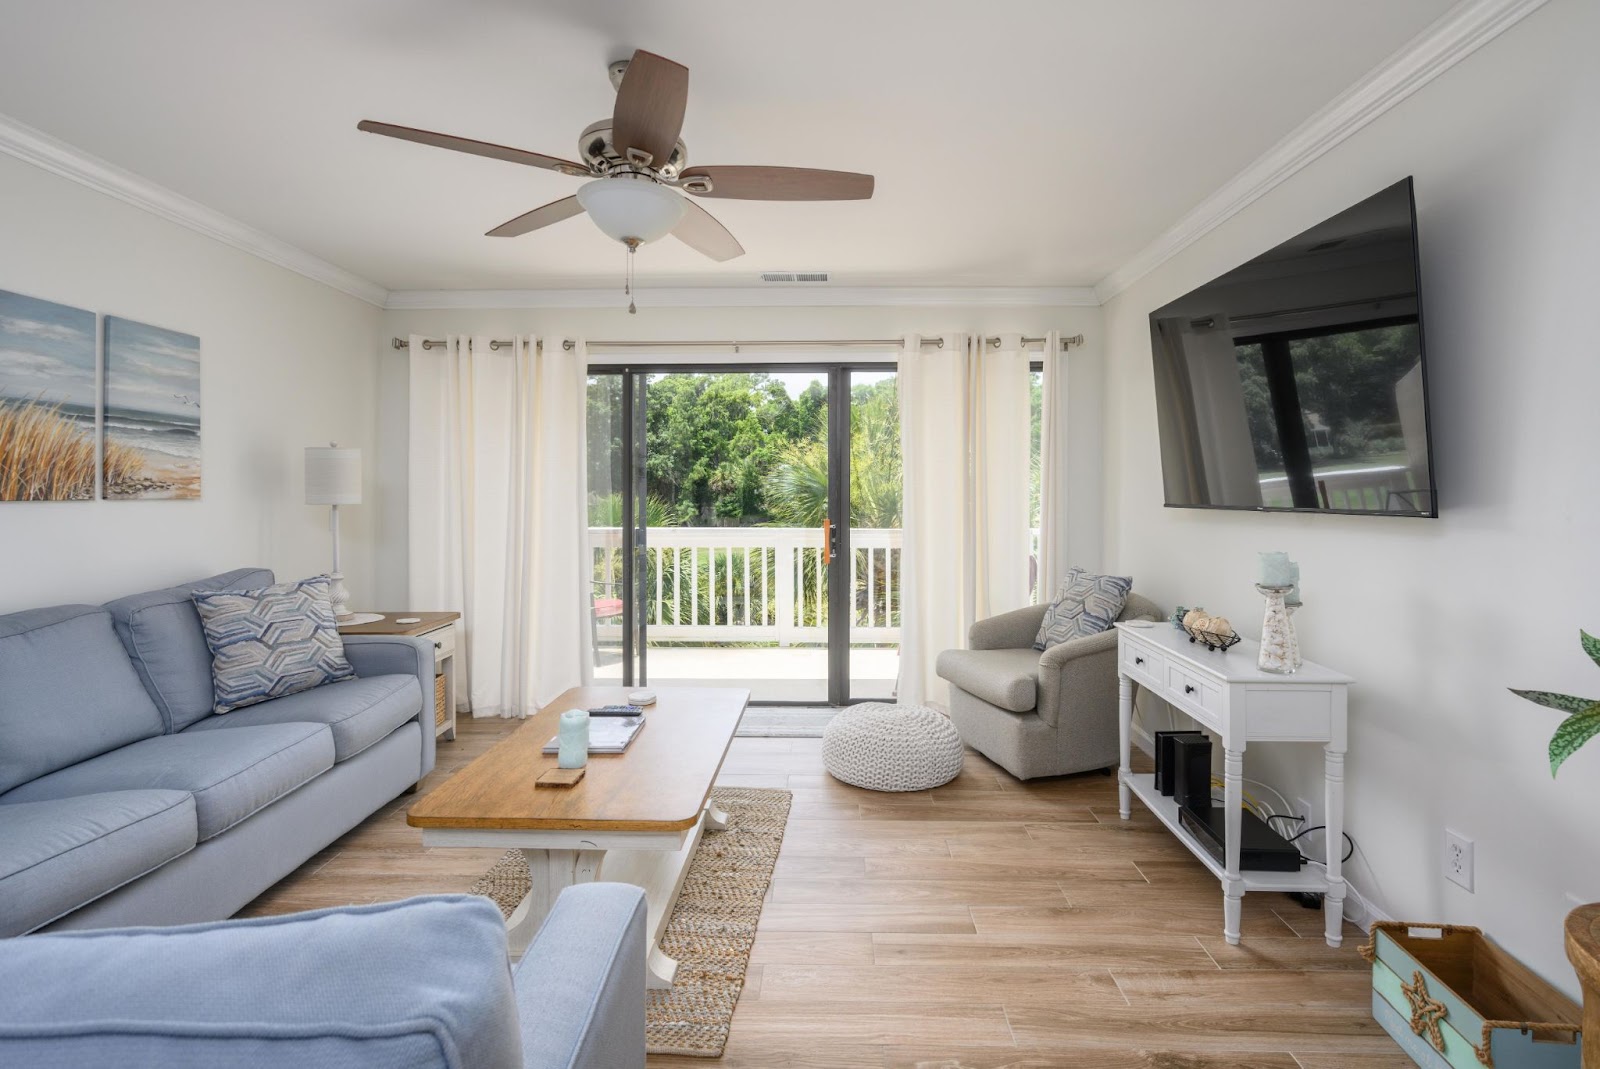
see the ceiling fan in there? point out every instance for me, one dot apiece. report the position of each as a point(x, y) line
point(636, 161)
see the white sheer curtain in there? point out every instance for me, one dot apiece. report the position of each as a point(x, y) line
point(498, 516)
point(1001, 467)
point(1055, 547)
point(964, 460)
point(937, 564)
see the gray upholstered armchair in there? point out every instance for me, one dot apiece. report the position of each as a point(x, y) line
point(1038, 714)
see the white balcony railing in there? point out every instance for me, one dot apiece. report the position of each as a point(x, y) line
point(749, 584)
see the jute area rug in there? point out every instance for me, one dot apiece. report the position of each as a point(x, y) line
point(711, 928)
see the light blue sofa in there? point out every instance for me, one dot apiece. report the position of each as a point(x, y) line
point(414, 984)
point(124, 800)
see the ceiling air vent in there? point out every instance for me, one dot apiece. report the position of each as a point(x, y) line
point(794, 276)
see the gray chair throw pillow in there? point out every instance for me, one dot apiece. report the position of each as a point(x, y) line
point(270, 642)
point(1086, 604)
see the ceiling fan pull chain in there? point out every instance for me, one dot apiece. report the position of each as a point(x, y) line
point(627, 288)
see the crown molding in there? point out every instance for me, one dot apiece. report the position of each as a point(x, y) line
point(58, 157)
point(1457, 34)
point(769, 296)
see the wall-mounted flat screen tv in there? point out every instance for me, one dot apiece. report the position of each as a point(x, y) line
point(1298, 381)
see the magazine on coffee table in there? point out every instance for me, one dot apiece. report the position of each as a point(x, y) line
point(607, 734)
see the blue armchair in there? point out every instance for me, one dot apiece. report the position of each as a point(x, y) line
point(416, 984)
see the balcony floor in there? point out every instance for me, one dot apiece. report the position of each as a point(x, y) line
point(773, 674)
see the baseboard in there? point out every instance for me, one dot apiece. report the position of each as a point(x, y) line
point(1145, 740)
point(1359, 911)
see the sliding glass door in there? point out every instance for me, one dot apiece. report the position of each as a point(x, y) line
point(731, 544)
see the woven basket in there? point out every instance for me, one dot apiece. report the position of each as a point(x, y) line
point(440, 712)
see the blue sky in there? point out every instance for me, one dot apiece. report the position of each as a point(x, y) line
point(152, 370)
point(46, 351)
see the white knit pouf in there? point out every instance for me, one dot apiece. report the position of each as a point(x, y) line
point(886, 747)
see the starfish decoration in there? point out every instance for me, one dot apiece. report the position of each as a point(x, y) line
point(1426, 1011)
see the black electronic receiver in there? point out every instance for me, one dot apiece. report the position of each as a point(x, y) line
point(1260, 847)
point(616, 710)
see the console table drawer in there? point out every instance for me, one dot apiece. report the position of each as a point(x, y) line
point(1144, 662)
point(1188, 688)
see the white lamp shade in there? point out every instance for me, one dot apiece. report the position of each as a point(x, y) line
point(630, 207)
point(333, 476)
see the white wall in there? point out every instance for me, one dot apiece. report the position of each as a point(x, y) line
point(1436, 618)
point(285, 363)
point(745, 324)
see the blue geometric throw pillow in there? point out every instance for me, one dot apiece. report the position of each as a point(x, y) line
point(270, 642)
point(1086, 604)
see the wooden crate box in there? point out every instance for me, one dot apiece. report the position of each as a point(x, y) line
point(1454, 1000)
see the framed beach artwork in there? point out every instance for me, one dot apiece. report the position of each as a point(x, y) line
point(152, 413)
point(47, 400)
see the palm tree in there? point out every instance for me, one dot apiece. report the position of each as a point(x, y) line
point(795, 493)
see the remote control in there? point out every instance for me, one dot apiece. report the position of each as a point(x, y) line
point(616, 710)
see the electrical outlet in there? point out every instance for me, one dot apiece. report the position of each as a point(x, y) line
point(1458, 858)
point(1304, 808)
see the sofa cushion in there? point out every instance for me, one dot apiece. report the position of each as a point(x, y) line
point(67, 692)
point(358, 711)
point(271, 642)
point(1007, 678)
point(56, 856)
point(231, 774)
point(162, 634)
point(416, 984)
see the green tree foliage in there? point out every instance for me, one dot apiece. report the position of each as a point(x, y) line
point(795, 493)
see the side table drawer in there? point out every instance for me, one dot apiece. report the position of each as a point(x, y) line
point(1141, 661)
point(443, 639)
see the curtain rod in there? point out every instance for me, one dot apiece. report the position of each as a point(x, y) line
point(771, 343)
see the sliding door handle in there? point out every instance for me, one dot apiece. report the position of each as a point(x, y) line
point(827, 541)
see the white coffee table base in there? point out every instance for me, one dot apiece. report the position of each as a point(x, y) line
point(654, 861)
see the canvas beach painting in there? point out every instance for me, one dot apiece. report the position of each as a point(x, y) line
point(47, 400)
point(152, 412)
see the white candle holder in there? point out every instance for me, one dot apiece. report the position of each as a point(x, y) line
point(1280, 649)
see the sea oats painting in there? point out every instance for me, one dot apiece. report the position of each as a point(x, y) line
point(47, 400)
point(152, 412)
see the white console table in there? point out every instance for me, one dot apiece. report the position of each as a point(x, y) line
point(1227, 695)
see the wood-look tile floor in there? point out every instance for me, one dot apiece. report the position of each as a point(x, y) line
point(988, 924)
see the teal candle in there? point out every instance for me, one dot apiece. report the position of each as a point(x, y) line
point(1278, 570)
point(574, 739)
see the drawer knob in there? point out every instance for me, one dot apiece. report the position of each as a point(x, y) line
point(1138, 660)
point(438, 645)
point(1188, 688)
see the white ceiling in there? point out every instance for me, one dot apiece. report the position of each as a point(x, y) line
point(1015, 142)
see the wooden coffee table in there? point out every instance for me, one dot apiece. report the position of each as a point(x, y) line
point(636, 817)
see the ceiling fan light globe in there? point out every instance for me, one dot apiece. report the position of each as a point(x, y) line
point(631, 208)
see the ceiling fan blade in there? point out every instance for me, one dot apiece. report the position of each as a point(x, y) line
point(779, 183)
point(650, 103)
point(544, 215)
point(476, 148)
point(700, 230)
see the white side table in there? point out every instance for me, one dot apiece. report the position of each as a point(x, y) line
point(1227, 695)
point(438, 627)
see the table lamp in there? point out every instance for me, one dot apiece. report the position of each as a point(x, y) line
point(333, 478)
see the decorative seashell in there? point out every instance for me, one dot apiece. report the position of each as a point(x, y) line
point(1220, 627)
point(1202, 622)
point(1192, 615)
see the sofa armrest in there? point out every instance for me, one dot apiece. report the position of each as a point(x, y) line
point(1013, 630)
point(399, 655)
point(580, 986)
